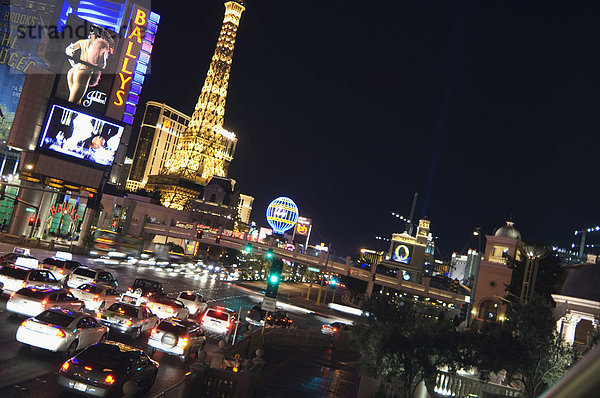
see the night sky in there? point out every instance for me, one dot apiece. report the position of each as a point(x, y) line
point(488, 109)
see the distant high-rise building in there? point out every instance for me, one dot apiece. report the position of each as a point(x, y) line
point(159, 135)
point(245, 208)
point(205, 148)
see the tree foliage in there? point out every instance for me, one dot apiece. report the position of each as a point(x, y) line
point(400, 343)
point(526, 346)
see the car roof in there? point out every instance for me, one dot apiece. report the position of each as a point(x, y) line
point(44, 289)
point(75, 314)
point(222, 309)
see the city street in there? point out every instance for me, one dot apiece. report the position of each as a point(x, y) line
point(33, 373)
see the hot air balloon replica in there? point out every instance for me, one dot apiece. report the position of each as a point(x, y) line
point(282, 214)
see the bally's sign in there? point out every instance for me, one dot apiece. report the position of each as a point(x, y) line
point(126, 68)
point(67, 208)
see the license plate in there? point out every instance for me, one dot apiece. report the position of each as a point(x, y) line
point(80, 387)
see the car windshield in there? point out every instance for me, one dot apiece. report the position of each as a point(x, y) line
point(145, 284)
point(32, 293)
point(58, 318)
point(107, 355)
point(14, 272)
point(53, 261)
point(187, 296)
point(218, 314)
point(71, 264)
point(171, 327)
point(88, 273)
point(124, 309)
point(90, 288)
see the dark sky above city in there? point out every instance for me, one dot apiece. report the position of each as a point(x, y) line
point(488, 109)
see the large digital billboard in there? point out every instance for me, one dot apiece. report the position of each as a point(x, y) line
point(74, 133)
point(17, 57)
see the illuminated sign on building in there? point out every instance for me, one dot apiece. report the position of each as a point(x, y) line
point(133, 64)
point(303, 226)
point(401, 253)
point(66, 208)
point(75, 133)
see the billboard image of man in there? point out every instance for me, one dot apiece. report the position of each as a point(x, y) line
point(93, 58)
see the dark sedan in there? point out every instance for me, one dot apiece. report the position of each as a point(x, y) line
point(102, 369)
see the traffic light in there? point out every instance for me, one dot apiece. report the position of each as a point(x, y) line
point(269, 254)
point(199, 234)
point(93, 201)
point(274, 278)
point(218, 238)
point(31, 221)
point(248, 248)
point(463, 311)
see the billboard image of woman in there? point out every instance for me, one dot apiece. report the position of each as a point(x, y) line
point(93, 57)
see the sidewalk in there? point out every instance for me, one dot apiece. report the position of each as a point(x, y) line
point(308, 372)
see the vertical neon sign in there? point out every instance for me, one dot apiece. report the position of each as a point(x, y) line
point(133, 64)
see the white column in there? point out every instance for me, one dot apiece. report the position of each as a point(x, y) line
point(569, 326)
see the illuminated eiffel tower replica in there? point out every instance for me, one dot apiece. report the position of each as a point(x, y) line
point(205, 149)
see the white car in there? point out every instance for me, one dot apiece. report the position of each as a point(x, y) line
point(219, 321)
point(96, 297)
point(193, 301)
point(58, 329)
point(17, 278)
point(164, 307)
point(33, 300)
point(183, 338)
point(128, 319)
point(83, 275)
point(60, 268)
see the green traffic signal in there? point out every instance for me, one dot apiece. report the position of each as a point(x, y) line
point(270, 253)
point(248, 248)
point(273, 278)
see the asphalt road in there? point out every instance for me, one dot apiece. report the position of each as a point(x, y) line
point(28, 374)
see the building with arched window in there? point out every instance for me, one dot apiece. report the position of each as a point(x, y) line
point(494, 274)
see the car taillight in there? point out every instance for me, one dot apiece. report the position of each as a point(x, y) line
point(24, 323)
point(109, 379)
point(61, 271)
point(170, 310)
point(153, 331)
point(201, 319)
point(96, 297)
point(61, 334)
point(24, 284)
point(44, 302)
point(98, 315)
point(87, 367)
point(183, 342)
point(228, 325)
point(12, 295)
point(334, 329)
point(129, 323)
point(65, 365)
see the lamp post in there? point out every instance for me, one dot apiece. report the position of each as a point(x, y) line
point(533, 255)
point(323, 276)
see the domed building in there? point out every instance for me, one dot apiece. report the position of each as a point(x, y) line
point(508, 231)
point(494, 274)
point(578, 304)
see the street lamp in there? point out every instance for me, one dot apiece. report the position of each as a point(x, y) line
point(533, 255)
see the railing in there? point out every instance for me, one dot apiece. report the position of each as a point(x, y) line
point(453, 385)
